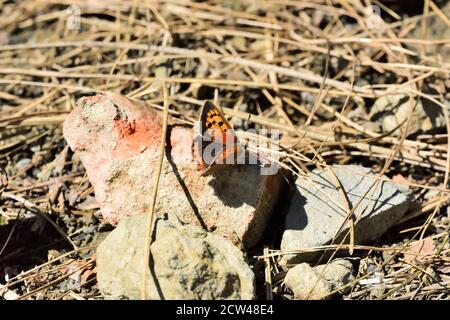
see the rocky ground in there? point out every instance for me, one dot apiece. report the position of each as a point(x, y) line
point(357, 210)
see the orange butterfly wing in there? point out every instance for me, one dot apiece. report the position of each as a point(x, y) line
point(217, 143)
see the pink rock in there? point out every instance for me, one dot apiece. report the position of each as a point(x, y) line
point(117, 140)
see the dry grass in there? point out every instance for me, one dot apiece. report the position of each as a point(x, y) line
point(309, 69)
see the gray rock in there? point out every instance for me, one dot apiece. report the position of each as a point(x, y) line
point(189, 263)
point(306, 283)
point(377, 291)
point(392, 110)
point(318, 283)
point(313, 219)
point(338, 273)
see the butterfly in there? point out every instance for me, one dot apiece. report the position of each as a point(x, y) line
point(216, 142)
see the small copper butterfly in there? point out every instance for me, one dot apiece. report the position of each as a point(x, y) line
point(216, 142)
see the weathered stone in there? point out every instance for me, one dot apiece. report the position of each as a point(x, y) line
point(118, 139)
point(339, 272)
point(314, 218)
point(189, 263)
point(318, 283)
point(392, 110)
